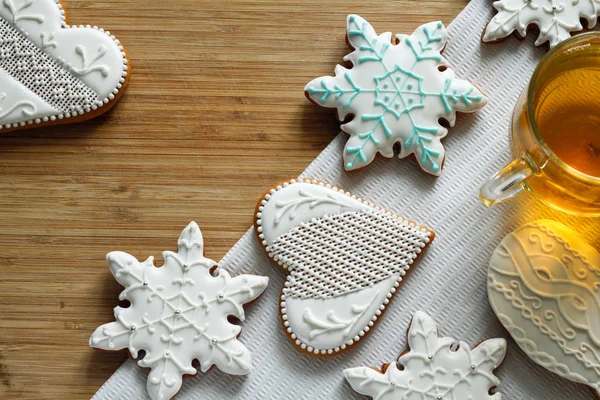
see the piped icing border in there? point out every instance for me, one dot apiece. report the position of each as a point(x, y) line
point(324, 352)
point(107, 101)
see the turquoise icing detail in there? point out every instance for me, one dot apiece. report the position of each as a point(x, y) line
point(445, 95)
point(398, 91)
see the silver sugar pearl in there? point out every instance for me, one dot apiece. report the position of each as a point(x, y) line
point(186, 267)
point(214, 341)
point(392, 384)
point(473, 367)
point(177, 312)
point(430, 357)
point(132, 328)
point(221, 296)
point(145, 284)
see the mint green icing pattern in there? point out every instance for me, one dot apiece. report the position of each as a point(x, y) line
point(403, 99)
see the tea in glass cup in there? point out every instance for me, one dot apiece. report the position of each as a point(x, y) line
point(555, 135)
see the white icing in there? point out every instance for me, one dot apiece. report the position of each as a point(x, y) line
point(179, 313)
point(88, 55)
point(17, 103)
point(556, 19)
point(330, 323)
point(397, 93)
point(94, 57)
point(345, 259)
point(301, 202)
point(543, 283)
point(432, 369)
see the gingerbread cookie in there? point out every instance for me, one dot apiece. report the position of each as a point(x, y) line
point(53, 73)
point(543, 284)
point(345, 258)
point(436, 368)
point(397, 92)
point(179, 312)
point(555, 19)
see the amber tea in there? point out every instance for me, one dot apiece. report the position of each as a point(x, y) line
point(567, 112)
point(555, 132)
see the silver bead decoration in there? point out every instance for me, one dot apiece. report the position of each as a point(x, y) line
point(392, 384)
point(186, 267)
point(472, 367)
point(214, 341)
point(132, 328)
point(430, 357)
point(177, 312)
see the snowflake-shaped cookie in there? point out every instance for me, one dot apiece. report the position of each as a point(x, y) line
point(556, 19)
point(436, 368)
point(179, 313)
point(396, 93)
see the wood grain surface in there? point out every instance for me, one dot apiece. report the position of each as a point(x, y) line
point(214, 114)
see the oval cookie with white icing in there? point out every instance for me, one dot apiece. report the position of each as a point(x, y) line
point(345, 258)
point(543, 284)
point(53, 73)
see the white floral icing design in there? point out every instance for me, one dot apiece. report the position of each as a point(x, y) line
point(556, 19)
point(62, 71)
point(552, 311)
point(179, 313)
point(433, 368)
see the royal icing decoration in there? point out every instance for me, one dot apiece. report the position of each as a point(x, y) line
point(397, 92)
point(436, 368)
point(179, 312)
point(556, 19)
point(345, 258)
point(50, 71)
point(543, 284)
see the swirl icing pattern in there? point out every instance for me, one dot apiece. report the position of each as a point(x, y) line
point(543, 285)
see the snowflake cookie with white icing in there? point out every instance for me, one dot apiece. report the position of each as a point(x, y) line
point(556, 19)
point(397, 92)
point(179, 312)
point(436, 368)
point(53, 73)
point(345, 258)
point(543, 284)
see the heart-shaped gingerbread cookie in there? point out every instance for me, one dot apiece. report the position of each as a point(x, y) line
point(345, 258)
point(53, 73)
point(544, 286)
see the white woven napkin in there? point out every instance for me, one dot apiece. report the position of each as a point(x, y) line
point(449, 283)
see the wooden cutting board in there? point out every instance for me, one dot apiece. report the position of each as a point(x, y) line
point(214, 114)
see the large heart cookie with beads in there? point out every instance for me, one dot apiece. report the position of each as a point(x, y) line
point(345, 258)
point(544, 285)
point(53, 73)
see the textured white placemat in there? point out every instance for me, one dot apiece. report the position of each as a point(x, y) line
point(449, 282)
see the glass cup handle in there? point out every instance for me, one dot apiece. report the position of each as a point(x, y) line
point(506, 183)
